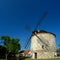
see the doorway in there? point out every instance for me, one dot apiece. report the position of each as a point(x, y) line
point(35, 55)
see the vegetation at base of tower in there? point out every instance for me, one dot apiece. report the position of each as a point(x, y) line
point(43, 59)
point(39, 59)
point(11, 44)
point(58, 50)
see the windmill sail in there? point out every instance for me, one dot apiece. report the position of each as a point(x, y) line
point(39, 22)
point(27, 43)
point(42, 41)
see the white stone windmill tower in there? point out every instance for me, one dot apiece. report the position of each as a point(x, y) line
point(42, 43)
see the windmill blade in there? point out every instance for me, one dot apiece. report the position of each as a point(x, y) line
point(26, 45)
point(44, 15)
point(45, 40)
point(28, 28)
point(42, 42)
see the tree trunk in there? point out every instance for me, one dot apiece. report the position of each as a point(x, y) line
point(6, 56)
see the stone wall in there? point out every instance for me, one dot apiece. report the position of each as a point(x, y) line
point(46, 51)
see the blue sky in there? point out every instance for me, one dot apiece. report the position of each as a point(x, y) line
point(15, 14)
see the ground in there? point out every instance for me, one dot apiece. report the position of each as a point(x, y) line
point(38, 59)
point(44, 59)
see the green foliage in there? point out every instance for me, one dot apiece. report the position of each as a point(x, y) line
point(58, 50)
point(11, 45)
point(6, 40)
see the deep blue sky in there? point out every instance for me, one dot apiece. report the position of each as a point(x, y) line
point(15, 14)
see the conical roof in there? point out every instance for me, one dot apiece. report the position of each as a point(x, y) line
point(41, 31)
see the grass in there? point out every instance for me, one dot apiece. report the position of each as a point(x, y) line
point(43, 59)
point(38, 59)
point(2, 59)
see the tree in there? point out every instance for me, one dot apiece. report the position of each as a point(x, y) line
point(6, 42)
point(11, 45)
point(2, 51)
point(58, 50)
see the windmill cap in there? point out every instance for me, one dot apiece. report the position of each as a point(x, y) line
point(41, 31)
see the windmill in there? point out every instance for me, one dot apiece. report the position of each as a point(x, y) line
point(38, 39)
point(28, 28)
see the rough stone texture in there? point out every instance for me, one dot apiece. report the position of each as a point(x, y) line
point(45, 51)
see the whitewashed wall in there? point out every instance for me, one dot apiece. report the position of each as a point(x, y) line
point(36, 45)
point(47, 38)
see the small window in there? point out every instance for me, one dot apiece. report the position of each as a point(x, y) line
point(42, 46)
